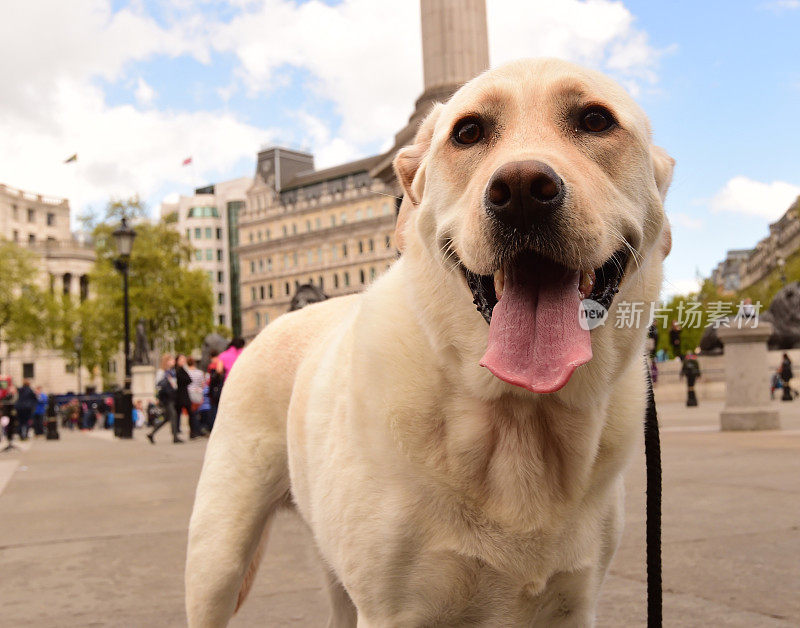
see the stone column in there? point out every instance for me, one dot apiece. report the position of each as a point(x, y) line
point(747, 403)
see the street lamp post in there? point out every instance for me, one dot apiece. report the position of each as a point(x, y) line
point(78, 344)
point(782, 268)
point(123, 406)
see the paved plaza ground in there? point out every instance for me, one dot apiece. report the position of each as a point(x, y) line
point(93, 533)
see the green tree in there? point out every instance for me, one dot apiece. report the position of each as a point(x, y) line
point(25, 308)
point(175, 302)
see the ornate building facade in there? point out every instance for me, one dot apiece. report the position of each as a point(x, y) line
point(743, 268)
point(331, 228)
point(41, 224)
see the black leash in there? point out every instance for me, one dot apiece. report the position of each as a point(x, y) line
point(652, 454)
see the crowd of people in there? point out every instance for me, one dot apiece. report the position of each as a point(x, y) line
point(180, 389)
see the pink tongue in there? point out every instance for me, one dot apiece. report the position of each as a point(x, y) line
point(535, 339)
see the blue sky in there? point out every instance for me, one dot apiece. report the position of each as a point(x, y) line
point(135, 86)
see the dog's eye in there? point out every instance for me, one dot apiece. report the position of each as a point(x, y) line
point(597, 119)
point(468, 131)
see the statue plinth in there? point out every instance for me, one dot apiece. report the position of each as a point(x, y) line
point(143, 385)
point(747, 403)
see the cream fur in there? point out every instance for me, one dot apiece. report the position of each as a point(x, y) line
point(436, 493)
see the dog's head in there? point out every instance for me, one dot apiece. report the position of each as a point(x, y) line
point(538, 183)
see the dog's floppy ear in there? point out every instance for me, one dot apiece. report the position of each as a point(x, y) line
point(407, 164)
point(663, 166)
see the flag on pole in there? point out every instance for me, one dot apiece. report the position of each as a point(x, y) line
point(187, 161)
point(69, 160)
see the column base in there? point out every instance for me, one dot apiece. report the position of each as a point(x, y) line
point(743, 419)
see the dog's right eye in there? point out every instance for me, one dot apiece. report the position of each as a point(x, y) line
point(468, 131)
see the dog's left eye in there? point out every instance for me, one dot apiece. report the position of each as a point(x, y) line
point(597, 119)
point(468, 131)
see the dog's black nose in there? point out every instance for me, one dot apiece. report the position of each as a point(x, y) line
point(521, 193)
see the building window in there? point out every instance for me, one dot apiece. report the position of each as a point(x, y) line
point(310, 257)
point(361, 276)
point(219, 255)
point(15, 211)
point(285, 231)
point(319, 254)
point(220, 298)
point(198, 233)
point(252, 267)
point(15, 236)
point(344, 249)
point(258, 319)
point(346, 278)
point(321, 282)
point(208, 233)
point(308, 225)
point(69, 368)
point(209, 254)
point(112, 366)
point(294, 258)
point(188, 234)
point(296, 284)
point(269, 264)
point(220, 277)
point(270, 291)
point(261, 265)
point(369, 212)
point(360, 247)
point(253, 294)
point(31, 238)
point(336, 280)
point(221, 319)
point(286, 288)
point(198, 255)
point(333, 221)
point(84, 287)
point(251, 236)
point(261, 292)
point(31, 215)
point(294, 228)
point(219, 233)
point(358, 214)
point(318, 222)
point(344, 218)
point(67, 282)
point(210, 276)
point(268, 234)
point(51, 219)
point(387, 209)
point(371, 273)
point(388, 242)
point(28, 371)
point(334, 252)
point(260, 236)
point(203, 212)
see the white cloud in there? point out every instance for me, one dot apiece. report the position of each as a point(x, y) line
point(365, 56)
point(144, 93)
point(685, 220)
point(679, 286)
point(745, 196)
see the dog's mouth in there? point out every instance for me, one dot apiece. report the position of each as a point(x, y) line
point(534, 306)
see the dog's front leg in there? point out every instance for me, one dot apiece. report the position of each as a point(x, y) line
point(244, 480)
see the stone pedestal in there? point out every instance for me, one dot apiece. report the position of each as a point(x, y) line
point(747, 403)
point(143, 384)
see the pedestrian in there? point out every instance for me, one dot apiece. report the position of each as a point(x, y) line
point(196, 387)
point(691, 371)
point(231, 354)
point(182, 399)
point(775, 383)
point(786, 377)
point(166, 389)
point(216, 379)
point(26, 404)
point(138, 414)
point(39, 412)
point(675, 340)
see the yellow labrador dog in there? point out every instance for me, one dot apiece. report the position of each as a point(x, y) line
point(455, 472)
